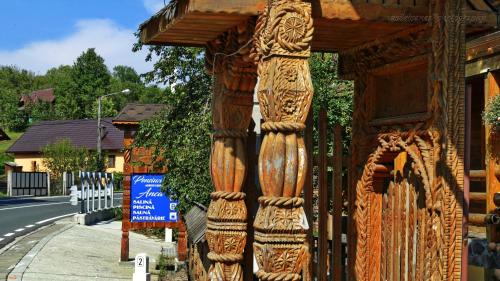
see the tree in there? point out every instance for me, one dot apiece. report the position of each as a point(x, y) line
point(13, 83)
point(63, 156)
point(126, 74)
point(331, 93)
point(180, 136)
point(91, 80)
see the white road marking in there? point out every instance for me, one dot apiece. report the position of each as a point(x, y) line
point(9, 234)
point(31, 206)
point(30, 225)
point(19, 230)
point(54, 218)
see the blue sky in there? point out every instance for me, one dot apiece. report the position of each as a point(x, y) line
point(38, 35)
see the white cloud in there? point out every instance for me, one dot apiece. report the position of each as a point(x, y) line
point(153, 6)
point(111, 42)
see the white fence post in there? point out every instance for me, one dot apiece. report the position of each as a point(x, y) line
point(112, 190)
point(93, 190)
point(87, 192)
point(9, 183)
point(64, 182)
point(48, 184)
point(98, 178)
point(106, 185)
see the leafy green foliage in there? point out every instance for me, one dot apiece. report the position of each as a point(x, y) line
point(181, 134)
point(91, 80)
point(13, 83)
point(62, 156)
point(331, 93)
point(491, 115)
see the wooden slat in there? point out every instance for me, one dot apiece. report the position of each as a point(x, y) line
point(477, 219)
point(336, 260)
point(308, 194)
point(477, 196)
point(477, 174)
point(323, 199)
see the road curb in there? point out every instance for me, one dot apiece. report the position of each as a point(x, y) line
point(26, 231)
point(22, 265)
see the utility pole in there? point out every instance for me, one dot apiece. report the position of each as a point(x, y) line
point(99, 127)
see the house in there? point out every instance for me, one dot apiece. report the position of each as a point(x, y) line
point(45, 95)
point(27, 150)
point(3, 135)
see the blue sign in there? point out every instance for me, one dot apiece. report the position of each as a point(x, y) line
point(147, 202)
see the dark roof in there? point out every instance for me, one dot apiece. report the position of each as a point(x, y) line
point(79, 132)
point(137, 112)
point(45, 95)
point(3, 135)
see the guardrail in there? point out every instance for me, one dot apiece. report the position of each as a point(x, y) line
point(95, 185)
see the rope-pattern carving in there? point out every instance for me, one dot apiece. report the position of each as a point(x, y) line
point(265, 276)
point(226, 258)
point(227, 195)
point(228, 133)
point(281, 201)
point(282, 126)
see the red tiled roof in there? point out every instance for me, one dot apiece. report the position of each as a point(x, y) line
point(45, 95)
point(79, 132)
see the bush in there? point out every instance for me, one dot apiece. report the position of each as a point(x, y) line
point(491, 115)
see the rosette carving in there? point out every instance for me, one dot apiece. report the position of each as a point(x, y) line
point(282, 47)
point(227, 58)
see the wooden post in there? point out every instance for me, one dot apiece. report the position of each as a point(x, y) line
point(336, 263)
point(127, 172)
point(492, 86)
point(467, 150)
point(232, 104)
point(308, 194)
point(284, 33)
point(323, 198)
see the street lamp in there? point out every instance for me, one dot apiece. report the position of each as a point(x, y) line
point(99, 129)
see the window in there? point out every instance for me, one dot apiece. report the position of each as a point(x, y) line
point(111, 161)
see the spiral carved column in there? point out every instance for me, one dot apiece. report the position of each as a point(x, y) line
point(282, 47)
point(232, 102)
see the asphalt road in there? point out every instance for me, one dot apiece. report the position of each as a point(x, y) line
point(19, 216)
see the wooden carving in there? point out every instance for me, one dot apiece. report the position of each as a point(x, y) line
point(235, 77)
point(282, 47)
point(379, 240)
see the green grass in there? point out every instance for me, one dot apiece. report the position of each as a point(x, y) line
point(4, 145)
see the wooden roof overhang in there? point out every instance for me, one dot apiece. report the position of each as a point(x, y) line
point(339, 24)
point(483, 54)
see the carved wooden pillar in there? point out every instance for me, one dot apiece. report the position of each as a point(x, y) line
point(232, 101)
point(282, 43)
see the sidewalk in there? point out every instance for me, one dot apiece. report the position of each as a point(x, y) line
point(79, 252)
